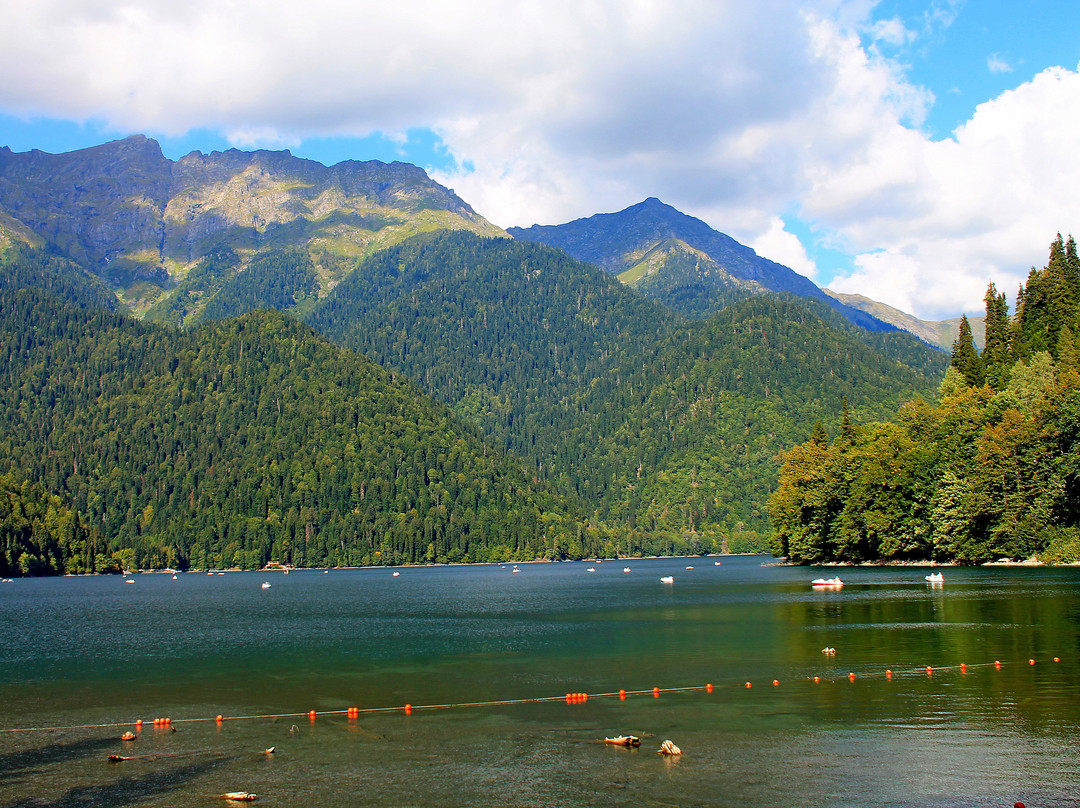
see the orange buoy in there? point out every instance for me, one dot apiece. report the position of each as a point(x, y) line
point(219, 719)
point(776, 683)
point(888, 674)
point(311, 715)
point(1031, 661)
point(408, 709)
point(748, 684)
point(584, 697)
point(167, 721)
point(138, 723)
point(1057, 659)
point(656, 692)
point(963, 667)
point(997, 664)
point(622, 695)
point(851, 677)
point(929, 671)
point(817, 680)
point(708, 688)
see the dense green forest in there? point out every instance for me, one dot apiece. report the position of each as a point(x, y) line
point(250, 440)
point(992, 470)
point(659, 424)
point(23, 267)
point(247, 442)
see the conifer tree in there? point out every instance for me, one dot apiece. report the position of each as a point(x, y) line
point(996, 356)
point(964, 356)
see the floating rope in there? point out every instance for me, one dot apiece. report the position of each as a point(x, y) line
point(569, 698)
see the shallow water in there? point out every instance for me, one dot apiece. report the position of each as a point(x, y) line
point(87, 651)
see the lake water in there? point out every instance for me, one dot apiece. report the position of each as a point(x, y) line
point(77, 652)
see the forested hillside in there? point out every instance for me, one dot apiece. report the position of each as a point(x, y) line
point(246, 442)
point(660, 426)
point(993, 470)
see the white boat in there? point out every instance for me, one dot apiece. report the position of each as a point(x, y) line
point(716, 563)
point(835, 583)
point(935, 578)
point(689, 568)
point(174, 577)
point(668, 579)
point(396, 574)
point(515, 569)
point(128, 581)
point(626, 569)
point(265, 584)
point(591, 569)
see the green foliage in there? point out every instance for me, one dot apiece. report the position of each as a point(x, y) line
point(991, 471)
point(279, 279)
point(964, 356)
point(204, 280)
point(22, 266)
point(39, 536)
point(249, 441)
point(663, 427)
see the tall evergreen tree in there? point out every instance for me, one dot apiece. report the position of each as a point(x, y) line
point(996, 356)
point(964, 356)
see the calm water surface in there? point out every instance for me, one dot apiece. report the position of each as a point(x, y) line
point(96, 651)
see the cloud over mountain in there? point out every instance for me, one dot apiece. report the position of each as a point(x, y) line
point(737, 113)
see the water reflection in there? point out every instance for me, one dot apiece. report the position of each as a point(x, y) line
point(92, 651)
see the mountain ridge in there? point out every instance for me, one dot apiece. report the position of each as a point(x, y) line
point(141, 221)
point(614, 241)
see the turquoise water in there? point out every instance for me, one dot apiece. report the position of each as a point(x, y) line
point(86, 651)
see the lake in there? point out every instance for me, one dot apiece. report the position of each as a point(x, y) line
point(88, 656)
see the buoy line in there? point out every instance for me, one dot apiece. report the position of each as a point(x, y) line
point(569, 698)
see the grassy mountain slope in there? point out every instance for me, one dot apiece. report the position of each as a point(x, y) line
point(618, 242)
point(142, 222)
point(941, 333)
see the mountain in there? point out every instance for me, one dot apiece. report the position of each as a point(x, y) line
point(142, 222)
point(679, 260)
point(660, 426)
point(940, 333)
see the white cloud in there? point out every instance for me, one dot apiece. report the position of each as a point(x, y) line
point(777, 244)
point(728, 110)
point(958, 213)
point(996, 63)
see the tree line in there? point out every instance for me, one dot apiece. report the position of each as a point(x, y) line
point(991, 470)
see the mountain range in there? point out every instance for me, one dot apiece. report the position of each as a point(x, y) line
point(626, 387)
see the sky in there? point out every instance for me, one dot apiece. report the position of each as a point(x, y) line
point(912, 151)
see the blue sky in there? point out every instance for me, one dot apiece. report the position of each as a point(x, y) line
point(908, 150)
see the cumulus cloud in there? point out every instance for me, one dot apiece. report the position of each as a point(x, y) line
point(733, 112)
point(961, 212)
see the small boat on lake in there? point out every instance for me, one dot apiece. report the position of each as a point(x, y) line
point(265, 584)
point(626, 569)
point(591, 569)
point(935, 578)
point(668, 579)
point(827, 583)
